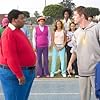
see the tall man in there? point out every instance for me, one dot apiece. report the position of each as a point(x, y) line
point(17, 59)
point(87, 50)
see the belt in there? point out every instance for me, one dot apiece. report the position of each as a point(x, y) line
point(23, 68)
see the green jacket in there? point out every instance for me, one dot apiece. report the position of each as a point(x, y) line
point(1, 30)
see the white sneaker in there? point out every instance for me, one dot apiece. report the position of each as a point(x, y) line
point(51, 75)
point(76, 76)
point(64, 75)
point(58, 71)
point(69, 76)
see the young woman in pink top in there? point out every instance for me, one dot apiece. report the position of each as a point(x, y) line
point(59, 41)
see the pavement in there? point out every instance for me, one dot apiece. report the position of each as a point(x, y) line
point(53, 89)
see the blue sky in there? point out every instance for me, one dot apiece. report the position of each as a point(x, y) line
point(38, 5)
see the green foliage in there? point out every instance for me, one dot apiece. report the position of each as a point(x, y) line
point(92, 11)
point(54, 11)
point(36, 14)
point(49, 20)
point(68, 4)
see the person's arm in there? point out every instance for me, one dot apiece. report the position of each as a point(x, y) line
point(65, 39)
point(68, 37)
point(49, 37)
point(10, 53)
point(72, 59)
point(34, 39)
point(54, 45)
point(73, 56)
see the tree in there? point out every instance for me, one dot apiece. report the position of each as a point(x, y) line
point(36, 14)
point(54, 11)
point(92, 11)
point(68, 4)
point(49, 20)
point(26, 13)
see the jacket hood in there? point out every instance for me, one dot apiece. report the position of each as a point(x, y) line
point(91, 25)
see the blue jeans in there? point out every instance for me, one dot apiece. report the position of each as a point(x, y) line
point(11, 88)
point(97, 80)
point(54, 60)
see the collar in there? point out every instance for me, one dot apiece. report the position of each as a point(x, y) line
point(11, 26)
point(67, 20)
point(91, 24)
point(41, 26)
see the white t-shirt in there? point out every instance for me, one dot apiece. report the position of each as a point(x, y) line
point(66, 24)
point(70, 35)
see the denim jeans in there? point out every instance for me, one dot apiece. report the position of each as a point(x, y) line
point(10, 85)
point(54, 60)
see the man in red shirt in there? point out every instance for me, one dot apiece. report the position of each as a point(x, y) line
point(17, 59)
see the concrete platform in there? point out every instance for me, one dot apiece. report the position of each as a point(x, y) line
point(53, 89)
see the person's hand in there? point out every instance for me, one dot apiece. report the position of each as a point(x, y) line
point(21, 80)
point(69, 69)
point(57, 49)
point(50, 48)
point(61, 48)
point(68, 39)
point(34, 49)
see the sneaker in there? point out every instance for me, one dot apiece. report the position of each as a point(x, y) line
point(58, 71)
point(47, 76)
point(64, 75)
point(38, 76)
point(69, 76)
point(51, 75)
point(76, 76)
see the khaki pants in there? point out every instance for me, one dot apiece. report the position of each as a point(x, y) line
point(85, 87)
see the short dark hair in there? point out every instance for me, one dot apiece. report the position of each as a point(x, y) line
point(14, 14)
point(82, 10)
point(67, 10)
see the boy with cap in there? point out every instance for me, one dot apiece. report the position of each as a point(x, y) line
point(41, 40)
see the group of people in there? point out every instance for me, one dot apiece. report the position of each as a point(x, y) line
point(83, 46)
point(60, 40)
point(18, 57)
